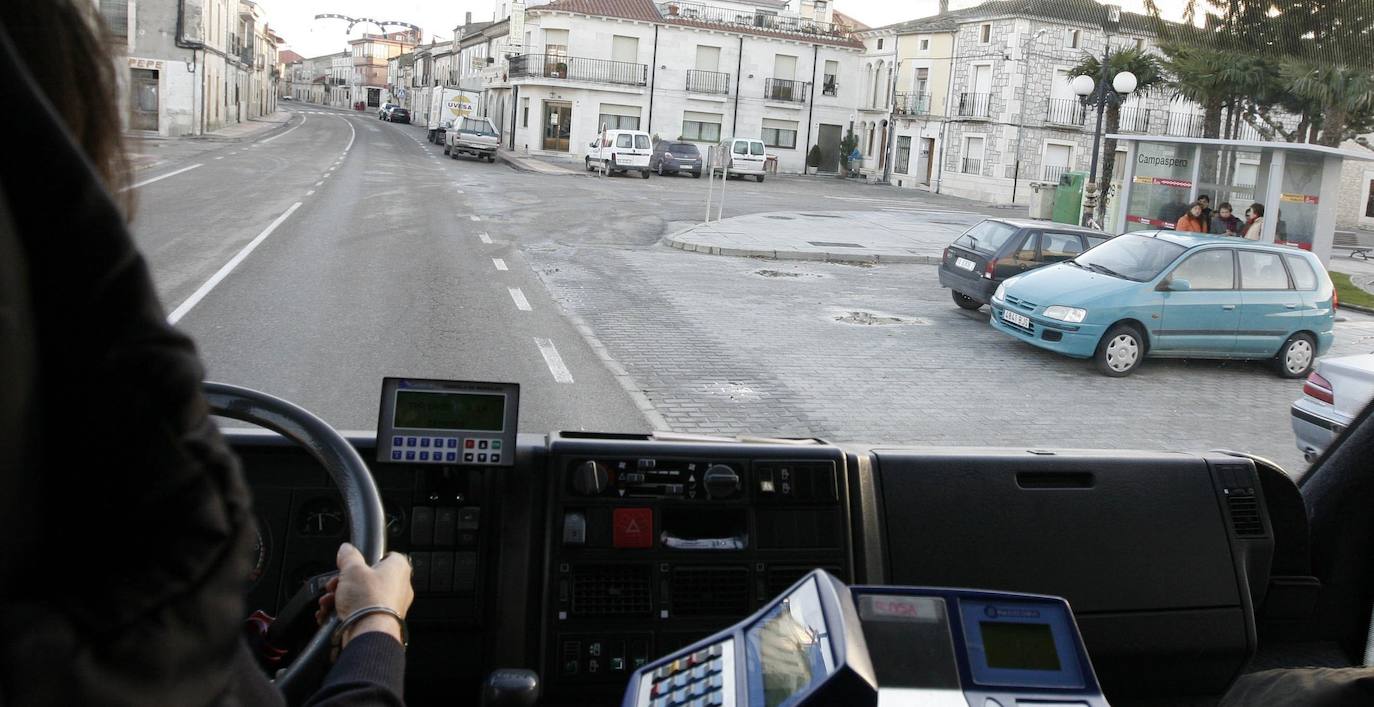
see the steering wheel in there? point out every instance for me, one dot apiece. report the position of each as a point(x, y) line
point(361, 500)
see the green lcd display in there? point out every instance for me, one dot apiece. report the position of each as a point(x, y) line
point(439, 410)
point(1019, 646)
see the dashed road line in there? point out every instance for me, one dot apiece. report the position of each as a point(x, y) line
point(223, 272)
point(521, 303)
point(146, 182)
point(475, 217)
point(484, 237)
point(560, 371)
point(319, 182)
point(312, 191)
point(499, 263)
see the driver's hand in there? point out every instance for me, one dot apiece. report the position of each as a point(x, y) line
point(358, 586)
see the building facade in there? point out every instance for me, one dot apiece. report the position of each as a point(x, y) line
point(370, 55)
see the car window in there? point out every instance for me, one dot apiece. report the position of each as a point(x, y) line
point(1055, 247)
point(741, 148)
point(1094, 241)
point(1026, 253)
point(1262, 271)
point(684, 149)
point(624, 141)
point(642, 142)
point(987, 236)
point(1303, 276)
point(756, 148)
point(1208, 270)
point(1132, 257)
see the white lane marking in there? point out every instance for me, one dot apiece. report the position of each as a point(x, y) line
point(460, 191)
point(499, 263)
point(484, 237)
point(352, 134)
point(220, 157)
point(319, 182)
point(288, 131)
point(146, 182)
point(223, 272)
point(312, 191)
point(518, 295)
point(560, 371)
point(475, 217)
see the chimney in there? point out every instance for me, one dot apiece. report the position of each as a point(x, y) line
point(467, 18)
point(944, 7)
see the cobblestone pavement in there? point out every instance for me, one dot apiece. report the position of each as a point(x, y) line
point(879, 354)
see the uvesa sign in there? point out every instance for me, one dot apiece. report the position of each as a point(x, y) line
point(461, 106)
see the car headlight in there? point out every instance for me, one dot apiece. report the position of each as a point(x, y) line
point(1073, 315)
point(1001, 290)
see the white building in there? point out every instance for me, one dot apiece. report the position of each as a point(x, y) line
point(699, 72)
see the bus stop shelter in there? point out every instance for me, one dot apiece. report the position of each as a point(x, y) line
point(1297, 183)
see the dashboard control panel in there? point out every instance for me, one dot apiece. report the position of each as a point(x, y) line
point(823, 643)
point(443, 422)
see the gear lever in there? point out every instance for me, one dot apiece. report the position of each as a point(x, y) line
point(510, 687)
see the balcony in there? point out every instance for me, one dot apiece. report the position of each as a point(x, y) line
point(715, 83)
point(783, 24)
point(1135, 120)
point(785, 90)
point(971, 166)
point(1065, 111)
point(575, 68)
point(975, 105)
point(913, 103)
point(1053, 172)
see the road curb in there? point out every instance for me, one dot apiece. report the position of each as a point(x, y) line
point(1357, 308)
point(676, 241)
point(502, 157)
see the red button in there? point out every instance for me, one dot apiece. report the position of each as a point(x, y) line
point(469, 444)
point(633, 528)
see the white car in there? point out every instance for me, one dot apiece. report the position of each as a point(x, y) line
point(620, 151)
point(745, 157)
point(472, 136)
point(1333, 395)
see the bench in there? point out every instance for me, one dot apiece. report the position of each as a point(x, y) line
point(1359, 242)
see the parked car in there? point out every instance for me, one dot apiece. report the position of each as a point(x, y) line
point(398, 114)
point(620, 151)
point(747, 157)
point(674, 157)
point(1333, 396)
point(382, 111)
point(472, 136)
point(1163, 293)
point(996, 249)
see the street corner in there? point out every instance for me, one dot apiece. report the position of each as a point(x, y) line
point(871, 237)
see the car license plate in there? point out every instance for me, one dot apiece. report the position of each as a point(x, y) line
point(1020, 320)
point(965, 263)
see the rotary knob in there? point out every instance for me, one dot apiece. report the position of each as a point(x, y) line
point(591, 478)
point(720, 481)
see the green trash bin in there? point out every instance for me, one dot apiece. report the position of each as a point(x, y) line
point(1068, 198)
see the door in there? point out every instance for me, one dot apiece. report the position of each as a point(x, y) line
point(829, 139)
point(144, 108)
point(1203, 320)
point(982, 89)
point(1270, 309)
point(1017, 258)
point(557, 125)
point(927, 160)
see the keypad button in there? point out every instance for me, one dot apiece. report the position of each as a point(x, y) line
point(424, 441)
point(715, 666)
point(680, 679)
point(716, 681)
point(698, 689)
point(699, 672)
point(410, 441)
point(660, 702)
point(396, 455)
point(482, 457)
point(467, 456)
point(681, 696)
point(663, 671)
point(398, 441)
point(482, 444)
point(469, 443)
point(410, 456)
point(715, 699)
point(451, 456)
point(698, 702)
point(716, 650)
point(495, 458)
point(424, 456)
point(700, 656)
point(496, 444)
point(452, 442)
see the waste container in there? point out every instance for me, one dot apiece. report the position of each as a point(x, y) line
point(1068, 197)
point(1042, 200)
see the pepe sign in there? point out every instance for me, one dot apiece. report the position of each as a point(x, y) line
point(460, 106)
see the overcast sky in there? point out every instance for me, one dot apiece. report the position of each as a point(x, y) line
point(294, 19)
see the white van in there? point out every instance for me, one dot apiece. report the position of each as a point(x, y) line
point(620, 151)
point(746, 156)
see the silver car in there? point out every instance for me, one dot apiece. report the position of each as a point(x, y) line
point(1333, 395)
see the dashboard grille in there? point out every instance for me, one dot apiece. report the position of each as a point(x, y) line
point(611, 590)
point(1245, 515)
point(780, 578)
point(710, 591)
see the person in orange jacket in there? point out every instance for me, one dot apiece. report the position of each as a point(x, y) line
point(1192, 220)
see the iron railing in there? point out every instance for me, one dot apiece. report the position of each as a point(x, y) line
point(1053, 172)
point(971, 166)
point(715, 82)
point(912, 103)
point(576, 68)
point(1135, 120)
point(830, 86)
point(785, 90)
point(709, 14)
point(1184, 125)
point(1065, 111)
point(975, 105)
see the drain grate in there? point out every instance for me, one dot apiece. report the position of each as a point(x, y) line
point(833, 244)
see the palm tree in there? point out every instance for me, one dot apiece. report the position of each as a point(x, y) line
point(1148, 75)
point(1344, 97)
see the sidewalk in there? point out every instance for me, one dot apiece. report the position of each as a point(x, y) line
point(538, 165)
point(249, 129)
point(838, 236)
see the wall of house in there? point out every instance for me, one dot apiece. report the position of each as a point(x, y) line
point(1355, 205)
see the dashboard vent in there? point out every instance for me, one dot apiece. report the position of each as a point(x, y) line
point(1245, 515)
point(710, 591)
point(611, 590)
point(780, 578)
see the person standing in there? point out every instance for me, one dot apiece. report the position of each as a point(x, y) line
point(1226, 223)
point(1191, 220)
point(1206, 202)
point(1254, 222)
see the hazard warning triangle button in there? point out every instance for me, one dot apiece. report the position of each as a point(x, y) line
point(633, 528)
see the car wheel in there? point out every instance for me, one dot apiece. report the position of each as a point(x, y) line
point(965, 302)
point(660, 169)
point(1296, 356)
point(644, 174)
point(446, 148)
point(696, 175)
point(1120, 351)
point(760, 178)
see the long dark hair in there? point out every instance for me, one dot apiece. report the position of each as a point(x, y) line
point(70, 55)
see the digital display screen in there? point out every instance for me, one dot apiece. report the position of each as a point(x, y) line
point(788, 650)
point(439, 410)
point(1019, 646)
point(909, 641)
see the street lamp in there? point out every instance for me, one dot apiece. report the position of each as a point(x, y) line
point(1095, 93)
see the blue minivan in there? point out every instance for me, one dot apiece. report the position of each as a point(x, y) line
point(1169, 294)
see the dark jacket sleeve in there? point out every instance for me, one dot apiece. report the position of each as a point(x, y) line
point(370, 671)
